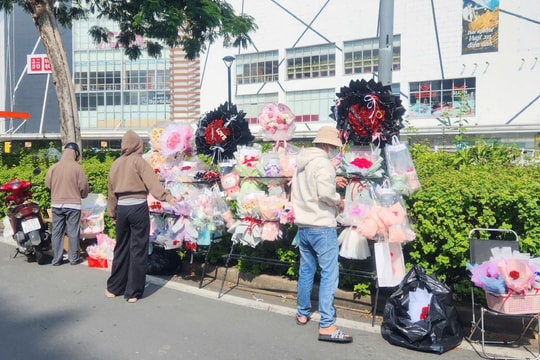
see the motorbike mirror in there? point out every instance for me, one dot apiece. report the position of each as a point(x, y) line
point(37, 171)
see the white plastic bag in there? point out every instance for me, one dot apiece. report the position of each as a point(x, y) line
point(400, 168)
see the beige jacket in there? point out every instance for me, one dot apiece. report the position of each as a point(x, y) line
point(314, 197)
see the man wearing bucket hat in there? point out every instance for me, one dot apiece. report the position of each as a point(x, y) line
point(316, 204)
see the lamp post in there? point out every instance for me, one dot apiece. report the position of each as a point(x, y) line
point(228, 60)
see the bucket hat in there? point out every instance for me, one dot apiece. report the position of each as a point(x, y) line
point(328, 135)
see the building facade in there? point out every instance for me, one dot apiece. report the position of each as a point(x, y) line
point(473, 63)
point(469, 63)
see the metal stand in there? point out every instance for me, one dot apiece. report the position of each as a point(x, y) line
point(371, 275)
point(515, 342)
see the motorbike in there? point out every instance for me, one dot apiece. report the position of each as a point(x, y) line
point(29, 230)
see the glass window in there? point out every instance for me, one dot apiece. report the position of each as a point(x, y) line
point(362, 56)
point(257, 67)
point(252, 104)
point(443, 98)
point(311, 62)
point(311, 105)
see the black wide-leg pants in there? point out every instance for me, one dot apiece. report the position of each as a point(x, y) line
point(129, 267)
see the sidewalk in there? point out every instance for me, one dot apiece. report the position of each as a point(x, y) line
point(276, 294)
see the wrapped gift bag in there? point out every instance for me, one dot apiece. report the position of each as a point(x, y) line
point(400, 168)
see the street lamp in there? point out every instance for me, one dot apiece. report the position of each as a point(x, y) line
point(228, 60)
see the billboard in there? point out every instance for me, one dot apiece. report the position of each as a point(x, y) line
point(480, 26)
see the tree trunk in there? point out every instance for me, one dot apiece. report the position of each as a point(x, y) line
point(47, 27)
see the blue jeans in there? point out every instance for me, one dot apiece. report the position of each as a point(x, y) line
point(318, 246)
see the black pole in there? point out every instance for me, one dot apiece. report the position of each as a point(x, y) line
point(230, 86)
point(228, 60)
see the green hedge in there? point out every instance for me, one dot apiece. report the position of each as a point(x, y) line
point(480, 186)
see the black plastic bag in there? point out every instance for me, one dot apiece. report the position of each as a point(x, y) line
point(440, 330)
point(163, 262)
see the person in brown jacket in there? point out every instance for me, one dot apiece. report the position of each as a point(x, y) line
point(68, 185)
point(130, 181)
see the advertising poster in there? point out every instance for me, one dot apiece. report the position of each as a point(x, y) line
point(480, 32)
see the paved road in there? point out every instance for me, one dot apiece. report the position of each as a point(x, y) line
point(61, 313)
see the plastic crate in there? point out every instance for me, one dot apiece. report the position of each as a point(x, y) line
point(528, 303)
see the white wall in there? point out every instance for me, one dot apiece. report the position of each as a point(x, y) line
point(505, 83)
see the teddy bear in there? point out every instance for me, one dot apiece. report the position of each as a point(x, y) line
point(230, 184)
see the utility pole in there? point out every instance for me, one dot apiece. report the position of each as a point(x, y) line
point(386, 38)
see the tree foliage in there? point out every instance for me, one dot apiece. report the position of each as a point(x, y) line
point(188, 24)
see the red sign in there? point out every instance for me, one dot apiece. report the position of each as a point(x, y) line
point(14, 115)
point(38, 64)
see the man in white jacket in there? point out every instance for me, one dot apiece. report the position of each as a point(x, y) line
point(316, 204)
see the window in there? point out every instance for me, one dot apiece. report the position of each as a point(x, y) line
point(137, 80)
point(257, 68)
point(252, 104)
point(151, 80)
point(362, 56)
point(311, 62)
point(443, 98)
point(89, 101)
point(311, 105)
point(98, 81)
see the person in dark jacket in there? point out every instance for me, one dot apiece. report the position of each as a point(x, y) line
point(68, 185)
point(130, 181)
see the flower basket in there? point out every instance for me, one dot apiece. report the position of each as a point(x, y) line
point(527, 303)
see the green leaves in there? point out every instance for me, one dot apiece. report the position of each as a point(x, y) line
point(191, 24)
point(478, 186)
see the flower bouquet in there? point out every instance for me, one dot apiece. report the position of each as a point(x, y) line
point(367, 112)
point(392, 216)
point(247, 159)
point(270, 208)
point(400, 168)
point(506, 272)
point(176, 139)
point(358, 207)
point(220, 131)
point(277, 122)
point(247, 230)
point(366, 162)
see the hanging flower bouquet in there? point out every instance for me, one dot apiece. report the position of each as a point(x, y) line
point(247, 159)
point(277, 122)
point(357, 211)
point(176, 139)
point(220, 131)
point(364, 162)
point(270, 208)
point(248, 229)
point(366, 112)
point(393, 221)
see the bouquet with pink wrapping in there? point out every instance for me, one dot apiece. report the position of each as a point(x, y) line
point(518, 275)
point(270, 208)
point(176, 138)
point(277, 122)
point(392, 216)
